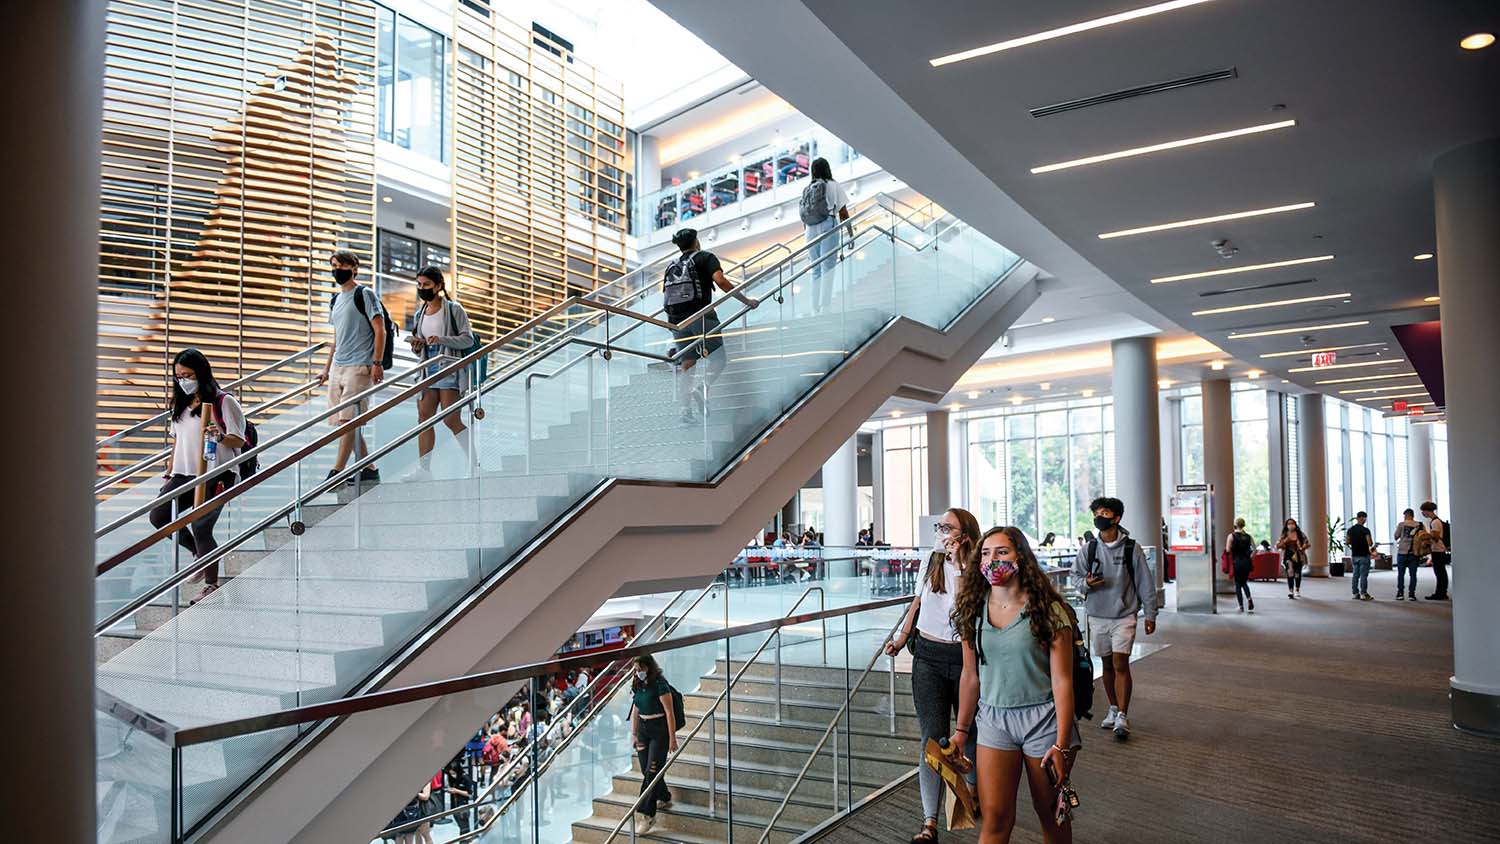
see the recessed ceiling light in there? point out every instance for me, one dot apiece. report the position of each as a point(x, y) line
point(1045, 385)
point(447, 219)
point(1016, 399)
point(1047, 319)
point(1306, 352)
point(1219, 218)
point(1348, 365)
point(1432, 299)
point(1477, 41)
point(385, 199)
point(895, 414)
point(1088, 394)
point(1274, 331)
point(692, 174)
point(955, 407)
point(1276, 304)
point(1245, 269)
point(1217, 366)
point(1382, 388)
point(973, 394)
point(1422, 256)
point(1164, 383)
point(1166, 145)
point(1352, 379)
point(1253, 375)
point(1070, 29)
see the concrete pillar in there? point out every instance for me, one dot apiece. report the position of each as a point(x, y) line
point(1138, 440)
point(1312, 476)
point(50, 168)
point(647, 164)
point(877, 481)
point(841, 503)
point(1466, 190)
point(1276, 442)
point(1218, 464)
point(1418, 465)
point(939, 491)
point(789, 516)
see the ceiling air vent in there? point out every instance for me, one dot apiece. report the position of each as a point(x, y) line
point(1139, 91)
point(1249, 287)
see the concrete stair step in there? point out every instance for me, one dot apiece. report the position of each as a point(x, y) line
point(797, 674)
point(871, 720)
point(368, 564)
point(870, 696)
point(800, 811)
point(414, 594)
point(875, 761)
point(685, 818)
point(399, 537)
point(210, 620)
point(206, 697)
point(438, 512)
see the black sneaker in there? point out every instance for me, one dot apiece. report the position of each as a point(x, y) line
point(369, 475)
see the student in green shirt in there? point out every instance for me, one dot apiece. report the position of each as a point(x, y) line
point(655, 731)
point(1016, 695)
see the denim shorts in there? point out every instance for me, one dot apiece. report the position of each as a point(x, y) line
point(1029, 729)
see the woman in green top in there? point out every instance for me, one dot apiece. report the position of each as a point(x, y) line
point(655, 730)
point(1016, 695)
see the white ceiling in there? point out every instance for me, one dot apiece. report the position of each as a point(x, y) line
point(1378, 90)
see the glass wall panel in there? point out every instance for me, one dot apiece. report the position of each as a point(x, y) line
point(1088, 479)
point(418, 101)
point(1056, 509)
point(1252, 461)
point(1021, 455)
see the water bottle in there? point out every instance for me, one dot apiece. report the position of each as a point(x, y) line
point(210, 451)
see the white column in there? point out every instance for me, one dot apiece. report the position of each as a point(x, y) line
point(841, 502)
point(647, 164)
point(1312, 476)
point(1218, 464)
point(1466, 191)
point(1418, 465)
point(1138, 440)
point(50, 168)
point(939, 491)
point(877, 481)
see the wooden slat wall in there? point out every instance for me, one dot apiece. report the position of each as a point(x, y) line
point(537, 138)
point(238, 152)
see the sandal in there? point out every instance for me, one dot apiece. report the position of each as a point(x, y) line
point(207, 590)
point(928, 835)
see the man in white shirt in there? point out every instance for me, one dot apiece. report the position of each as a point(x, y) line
point(824, 204)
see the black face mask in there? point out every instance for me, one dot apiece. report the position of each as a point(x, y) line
point(426, 294)
point(342, 277)
point(1103, 523)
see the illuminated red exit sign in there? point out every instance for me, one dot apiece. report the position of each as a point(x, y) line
point(1398, 406)
point(1321, 359)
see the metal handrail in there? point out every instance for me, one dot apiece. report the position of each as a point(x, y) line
point(483, 798)
point(139, 426)
point(833, 724)
point(629, 815)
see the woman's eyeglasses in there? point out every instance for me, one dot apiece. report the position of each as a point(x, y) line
point(944, 529)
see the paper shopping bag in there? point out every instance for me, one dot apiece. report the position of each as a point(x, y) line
point(958, 798)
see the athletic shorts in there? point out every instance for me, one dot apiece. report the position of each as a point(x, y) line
point(1111, 635)
point(1029, 729)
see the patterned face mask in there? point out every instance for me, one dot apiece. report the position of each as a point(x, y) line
point(999, 574)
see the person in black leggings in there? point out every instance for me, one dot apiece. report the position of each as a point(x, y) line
point(1241, 548)
point(654, 726)
point(1293, 544)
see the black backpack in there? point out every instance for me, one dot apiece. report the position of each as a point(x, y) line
point(252, 439)
point(1447, 534)
point(1083, 662)
point(813, 206)
point(388, 354)
point(679, 715)
point(682, 290)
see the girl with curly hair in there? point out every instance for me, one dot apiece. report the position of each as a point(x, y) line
point(1016, 695)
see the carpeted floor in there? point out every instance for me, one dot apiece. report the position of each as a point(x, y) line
point(1318, 720)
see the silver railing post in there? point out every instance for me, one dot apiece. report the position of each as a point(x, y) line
point(713, 764)
point(892, 694)
point(778, 676)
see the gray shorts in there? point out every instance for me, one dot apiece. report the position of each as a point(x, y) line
point(1029, 729)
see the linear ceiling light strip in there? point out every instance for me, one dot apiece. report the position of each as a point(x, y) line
point(1201, 221)
point(1059, 32)
point(1166, 145)
point(1292, 262)
point(1362, 363)
point(1275, 331)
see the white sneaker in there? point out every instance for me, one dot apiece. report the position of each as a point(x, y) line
point(1122, 727)
point(1108, 723)
point(643, 824)
point(420, 473)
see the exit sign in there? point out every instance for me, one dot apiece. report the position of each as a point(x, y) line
point(1398, 406)
point(1322, 359)
point(1416, 410)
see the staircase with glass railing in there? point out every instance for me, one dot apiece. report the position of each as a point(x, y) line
point(327, 584)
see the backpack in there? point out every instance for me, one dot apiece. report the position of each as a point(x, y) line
point(1129, 557)
point(1240, 546)
point(813, 206)
point(482, 366)
point(1447, 535)
point(491, 753)
point(679, 715)
point(252, 439)
point(388, 354)
point(682, 290)
point(1083, 663)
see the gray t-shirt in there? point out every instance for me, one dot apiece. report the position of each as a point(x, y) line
point(353, 336)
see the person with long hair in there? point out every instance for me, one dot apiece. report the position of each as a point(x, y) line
point(1293, 544)
point(654, 726)
point(1016, 695)
point(1241, 547)
point(441, 333)
point(823, 205)
point(938, 658)
point(199, 449)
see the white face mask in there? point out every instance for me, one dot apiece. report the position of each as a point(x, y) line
point(189, 386)
point(640, 675)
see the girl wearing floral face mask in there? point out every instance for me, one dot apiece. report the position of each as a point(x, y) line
point(1016, 695)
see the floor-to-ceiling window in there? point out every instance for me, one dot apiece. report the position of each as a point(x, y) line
point(1366, 466)
point(1190, 438)
point(1038, 467)
point(1292, 472)
point(905, 474)
point(410, 67)
point(1252, 460)
point(1440, 467)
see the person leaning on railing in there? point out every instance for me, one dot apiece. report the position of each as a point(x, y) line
point(198, 448)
